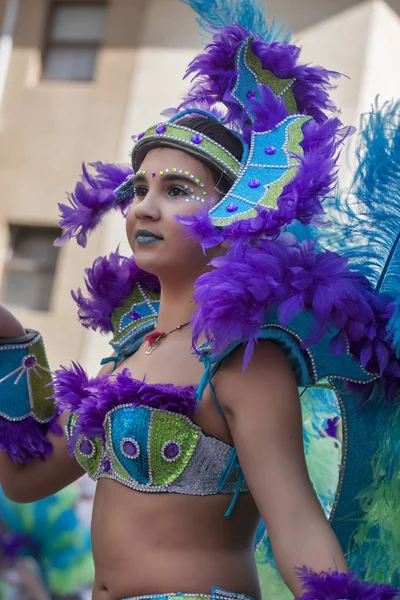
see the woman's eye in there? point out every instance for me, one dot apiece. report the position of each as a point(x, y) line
point(140, 191)
point(177, 191)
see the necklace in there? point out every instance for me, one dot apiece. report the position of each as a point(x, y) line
point(154, 338)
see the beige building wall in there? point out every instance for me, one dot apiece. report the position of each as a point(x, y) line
point(50, 127)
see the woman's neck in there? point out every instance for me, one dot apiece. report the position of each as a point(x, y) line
point(176, 306)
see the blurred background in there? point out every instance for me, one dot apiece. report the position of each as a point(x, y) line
point(78, 78)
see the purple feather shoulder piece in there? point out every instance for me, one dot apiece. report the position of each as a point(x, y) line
point(288, 277)
point(109, 282)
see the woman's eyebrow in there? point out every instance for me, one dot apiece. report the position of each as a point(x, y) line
point(138, 179)
point(175, 176)
point(142, 178)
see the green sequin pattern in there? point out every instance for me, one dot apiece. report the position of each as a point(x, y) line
point(43, 407)
point(282, 88)
point(170, 429)
point(183, 136)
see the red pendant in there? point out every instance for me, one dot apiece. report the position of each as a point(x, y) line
point(154, 337)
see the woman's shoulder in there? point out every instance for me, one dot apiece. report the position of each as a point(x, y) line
point(268, 373)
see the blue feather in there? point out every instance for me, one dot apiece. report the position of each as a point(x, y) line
point(250, 14)
point(394, 327)
point(366, 222)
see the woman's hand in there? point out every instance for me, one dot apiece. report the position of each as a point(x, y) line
point(9, 325)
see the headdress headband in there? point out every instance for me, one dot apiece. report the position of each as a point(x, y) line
point(186, 138)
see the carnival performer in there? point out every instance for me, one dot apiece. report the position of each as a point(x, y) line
point(193, 428)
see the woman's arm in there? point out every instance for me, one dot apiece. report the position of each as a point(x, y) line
point(39, 478)
point(263, 411)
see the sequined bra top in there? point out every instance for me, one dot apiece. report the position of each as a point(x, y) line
point(141, 435)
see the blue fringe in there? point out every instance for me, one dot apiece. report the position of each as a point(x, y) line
point(366, 223)
point(250, 14)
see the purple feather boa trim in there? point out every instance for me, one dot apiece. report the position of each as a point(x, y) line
point(291, 277)
point(92, 398)
point(92, 198)
point(26, 439)
point(342, 586)
point(109, 281)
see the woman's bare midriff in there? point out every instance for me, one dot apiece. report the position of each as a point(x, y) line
point(149, 543)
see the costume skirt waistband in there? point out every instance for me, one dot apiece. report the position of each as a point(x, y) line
point(216, 594)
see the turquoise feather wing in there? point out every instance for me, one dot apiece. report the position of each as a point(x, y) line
point(249, 14)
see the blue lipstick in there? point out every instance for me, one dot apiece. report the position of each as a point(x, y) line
point(146, 237)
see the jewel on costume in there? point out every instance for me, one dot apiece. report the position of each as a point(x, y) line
point(197, 139)
point(106, 465)
point(86, 447)
point(135, 315)
point(130, 448)
point(161, 129)
point(30, 361)
point(170, 451)
point(254, 183)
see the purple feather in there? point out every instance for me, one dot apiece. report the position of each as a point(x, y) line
point(109, 281)
point(93, 197)
point(214, 72)
point(92, 398)
point(289, 276)
point(27, 439)
point(332, 585)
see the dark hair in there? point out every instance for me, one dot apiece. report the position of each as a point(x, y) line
point(223, 136)
point(212, 129)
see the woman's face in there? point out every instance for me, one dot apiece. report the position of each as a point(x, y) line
point(169, 182)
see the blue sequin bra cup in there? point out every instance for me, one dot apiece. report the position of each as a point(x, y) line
point(138, 436)
point(216, 594)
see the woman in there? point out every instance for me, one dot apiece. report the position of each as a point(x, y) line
point(217, 430)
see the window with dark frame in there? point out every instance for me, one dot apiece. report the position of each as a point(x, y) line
point(30, 269)
point(74, 37)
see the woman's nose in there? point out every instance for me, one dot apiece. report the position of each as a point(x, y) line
point(147, 208)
